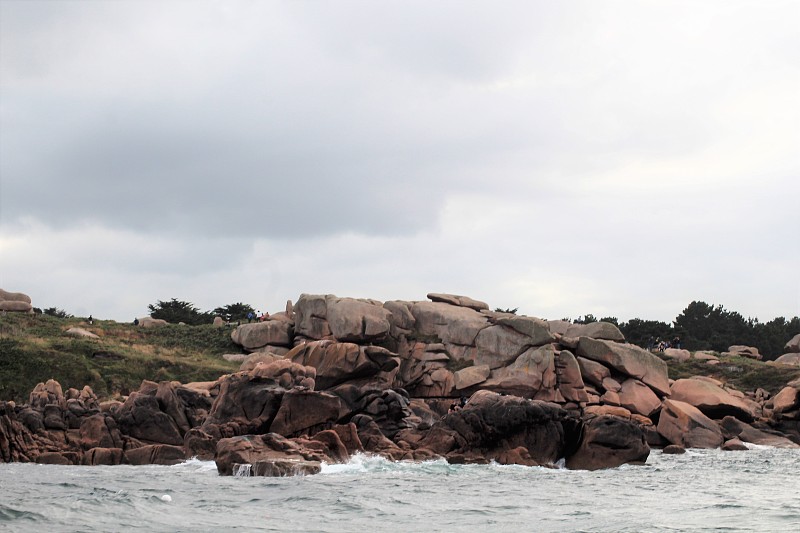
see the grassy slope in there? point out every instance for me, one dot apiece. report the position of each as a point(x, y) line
point(34, 348)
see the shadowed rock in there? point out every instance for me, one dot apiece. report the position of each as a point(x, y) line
point(608, 442)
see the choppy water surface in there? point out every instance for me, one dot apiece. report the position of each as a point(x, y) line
point(703, 490)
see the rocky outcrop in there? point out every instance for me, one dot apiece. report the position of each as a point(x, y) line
point(335, 376)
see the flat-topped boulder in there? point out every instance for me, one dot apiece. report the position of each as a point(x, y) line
point(15, 301)
point(461, 301)
point(253, 336)
point(743, 351)
point(629, 360)
point(595, 330)
point(450, 323)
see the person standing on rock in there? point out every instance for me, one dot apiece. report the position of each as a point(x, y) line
point(91, 320)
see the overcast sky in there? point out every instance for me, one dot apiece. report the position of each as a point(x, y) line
point(614, 158)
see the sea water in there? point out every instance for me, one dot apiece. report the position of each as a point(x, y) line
point(702, 490)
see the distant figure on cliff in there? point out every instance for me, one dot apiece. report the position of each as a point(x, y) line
point(135, 321)
point(250, 316)
point(676, 343)
point(90, 320)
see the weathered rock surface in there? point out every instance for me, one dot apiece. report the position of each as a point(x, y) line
point(793, 346)
point(628, 359)
point(595, 330)
point(15, 301)
point(608, 442)
point(259, 334)
point(684, 424)
point(712, 400)
point(789, 359)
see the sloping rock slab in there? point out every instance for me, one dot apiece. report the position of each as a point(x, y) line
point(684, 424)
point(713, 401)
point(628, 359)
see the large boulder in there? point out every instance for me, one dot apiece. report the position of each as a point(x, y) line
point(15, 301)
point(568, 375)
point(786, 400)
point(141, 417)
point(155, 454)
point(685, 425)
point(450, 323)
point(608, 442)
point(596, 330)
point(629, 360)
point(531, 375)
point(498, 345)
point(257, 335)
point(536, 329)
point(304, 411)
point(712, 400)
point(6, 296)
point(793, 346)
point(270, 455)
point(470, 376)
point(790, 358)
point(734, 428)
point(638, 397)
point(744, 351)
point(358, 321)
point(593, 372)
point(461, 301)
point(337, 362)
point(249, 401)
point(491, 423)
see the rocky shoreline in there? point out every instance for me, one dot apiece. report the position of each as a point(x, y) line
point(330, 377)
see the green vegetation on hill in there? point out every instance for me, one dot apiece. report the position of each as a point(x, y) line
point(35, 348)
point(703, 326)
point(743, 373)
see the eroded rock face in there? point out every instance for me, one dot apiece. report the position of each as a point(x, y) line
point(492, 423)
point(685, 425)
point(532, 373)
point(628, 359)
point(608, 442)
point(337, 362)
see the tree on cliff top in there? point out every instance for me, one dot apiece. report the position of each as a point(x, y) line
point(237, 311)
point(175, 311)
